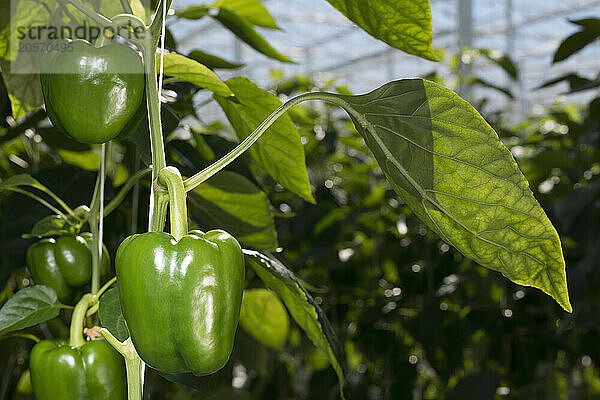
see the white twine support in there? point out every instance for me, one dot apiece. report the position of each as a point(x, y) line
point(101, 199)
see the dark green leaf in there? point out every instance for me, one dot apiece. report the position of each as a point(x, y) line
point(16, 181)
point(589, 32)
point(230, 201)
point(448, 165)
point(5, 107)
point(111, 315)
point(403, 24)
point(264, 317)
point(29, 307)
point(52, 225)
point(279, 151)
point(212, 62)
point(192, 71)
point(301, 305)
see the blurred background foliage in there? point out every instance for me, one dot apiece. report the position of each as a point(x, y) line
point(414, 318)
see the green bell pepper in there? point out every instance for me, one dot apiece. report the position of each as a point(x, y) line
point(181, 298)
point(93, 94)
point(77, 370)
point(65, 263)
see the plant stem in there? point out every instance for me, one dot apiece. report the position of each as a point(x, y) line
point(209, 171)
point(96, 218)
point(133, 364)
point(92, 310)
point(76, 338)
point(135, 372)
point(99, 18)
point(171, 178)
point(158, 209)
point(105, 287)
point(126, 6)
point(118, 199)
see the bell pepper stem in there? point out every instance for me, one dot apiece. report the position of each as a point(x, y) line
point(133, 364)
point(76, 338)
point(171, 178)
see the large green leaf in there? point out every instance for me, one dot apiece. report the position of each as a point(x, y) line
point(279, 151)
point(301, 305)
point(264, 317)
point(111, 315)
point(449, 166)
point(30, 306)
point(403, 24)
point(192, 71)
point(230, 201)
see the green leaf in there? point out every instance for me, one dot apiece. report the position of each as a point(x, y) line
point(111, 315)
point(29, 307)
point(193, 12)
point(301, 305)
point(574, 44)
point(243, 29)
point(449, 166)
point(253, 10)
point(24, 88)
point(403, 24)
point(211, 61)
point(230, 201)
point(192, 71)
point(26, 14)
point(264, 317)
point(52, 225)
point(17, 181)
point(279, 151)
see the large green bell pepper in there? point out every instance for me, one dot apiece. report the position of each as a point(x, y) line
point(77, 370)
point(181, 298)
point(93, 94)
point(65, 263)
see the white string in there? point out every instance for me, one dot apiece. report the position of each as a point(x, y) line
point(162, 48)
point(101, 217)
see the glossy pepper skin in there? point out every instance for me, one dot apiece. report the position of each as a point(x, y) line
point(181, 299)
point(95, 371)
point(93, 94)
point(64, 263)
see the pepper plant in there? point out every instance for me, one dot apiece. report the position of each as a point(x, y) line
point(178, 295)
